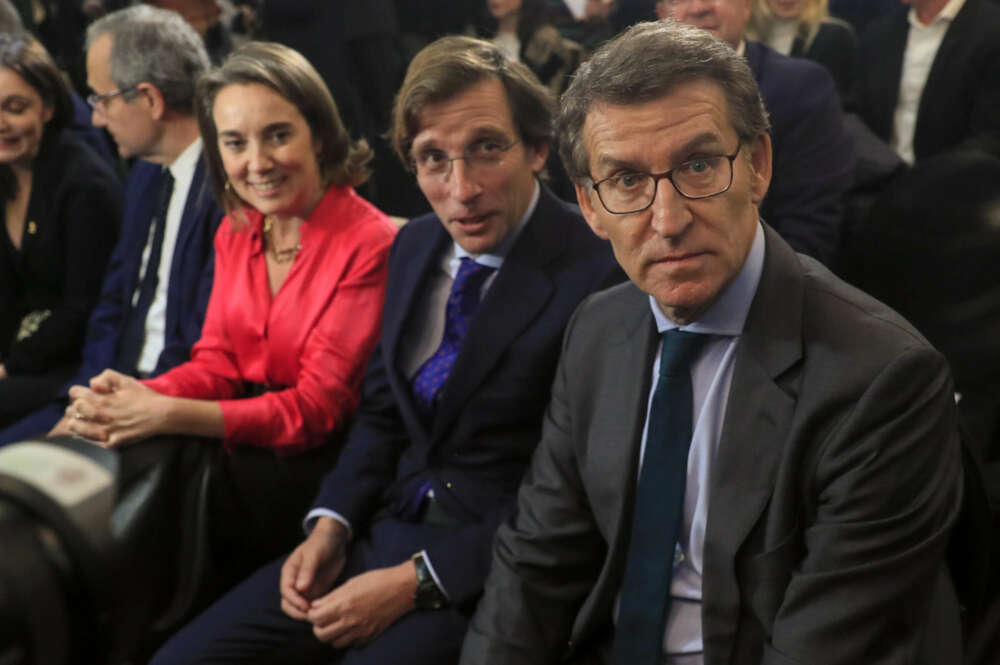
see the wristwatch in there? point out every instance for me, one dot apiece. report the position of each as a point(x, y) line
point(427, 596)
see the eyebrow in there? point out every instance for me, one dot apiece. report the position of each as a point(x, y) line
point(478, 134)
point(274, 126)
point(698, 142)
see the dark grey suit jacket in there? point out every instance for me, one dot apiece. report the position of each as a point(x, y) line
point(836, 482)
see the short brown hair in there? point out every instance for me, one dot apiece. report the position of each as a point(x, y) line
point(285, 71)
point(647, 62)
point(452, 65)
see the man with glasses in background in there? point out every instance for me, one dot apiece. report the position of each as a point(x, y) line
point(142, 64)
point(813, 152)
point(745, 460)
point(478, 295)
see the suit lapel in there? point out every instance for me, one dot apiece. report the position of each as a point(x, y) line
point(517, 296)
point(755, 429)
point(401, 296)
point(887, 71)
point(948, 62)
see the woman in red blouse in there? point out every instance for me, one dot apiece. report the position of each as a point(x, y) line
point(300, 270)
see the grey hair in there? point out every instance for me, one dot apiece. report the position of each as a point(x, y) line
point(645, 63)
point(10, 20)
point(157, 46)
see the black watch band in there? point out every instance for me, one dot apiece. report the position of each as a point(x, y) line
point(427, 596)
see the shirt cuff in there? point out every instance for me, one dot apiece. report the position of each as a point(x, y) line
point(310, 521)
point(437, 580)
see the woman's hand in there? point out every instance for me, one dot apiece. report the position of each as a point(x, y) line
point(115, 410)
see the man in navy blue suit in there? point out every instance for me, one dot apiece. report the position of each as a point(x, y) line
point(141, 66)
point(813, 153)
point(478, 295)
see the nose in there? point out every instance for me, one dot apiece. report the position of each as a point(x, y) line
point(259, 158)
point(97, 117)
point(462, 183)
point(670, 214)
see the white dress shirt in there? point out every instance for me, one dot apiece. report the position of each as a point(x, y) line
point(182, 169)
point(922, 45)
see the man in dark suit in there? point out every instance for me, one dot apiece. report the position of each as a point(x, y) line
point(451, 408)
point(745, 460)
point(147, 106)
point(930, 77)
point(813, 153)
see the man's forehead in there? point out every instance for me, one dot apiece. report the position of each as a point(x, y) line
point(688, 116)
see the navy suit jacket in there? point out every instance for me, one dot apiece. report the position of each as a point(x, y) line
point(489, 414)
point(960, 104)
point(187, 293)
point(813, 153)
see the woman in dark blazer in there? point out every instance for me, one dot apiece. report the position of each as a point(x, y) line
point(61, 211)
point(520, 29)
point(805, 29)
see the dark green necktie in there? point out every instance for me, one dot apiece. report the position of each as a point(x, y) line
point(659, 507)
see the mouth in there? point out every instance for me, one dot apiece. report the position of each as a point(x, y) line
point(472, 223)
point(680, 259)
point(265, 187)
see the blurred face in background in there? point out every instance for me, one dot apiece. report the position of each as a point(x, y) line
point(501, 9)
point(725, 19)
point(23, 115)
point(786, 8)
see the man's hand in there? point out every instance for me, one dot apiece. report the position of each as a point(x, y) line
point(3, 371)
point(313, 567)
point(364, 606)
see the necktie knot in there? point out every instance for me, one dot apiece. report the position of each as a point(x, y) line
point(468, 282)
point(462, 304)
point(679, 350)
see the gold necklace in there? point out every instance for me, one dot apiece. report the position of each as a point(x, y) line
point(280, 255)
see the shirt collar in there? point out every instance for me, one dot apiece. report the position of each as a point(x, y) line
point(947, 14)
point(495, 258)
point(728, 314)
point(187, 161)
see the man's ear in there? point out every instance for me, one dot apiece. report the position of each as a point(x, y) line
point(760, 167)
point(154, 98)
point(536, 156)
point(583, 193)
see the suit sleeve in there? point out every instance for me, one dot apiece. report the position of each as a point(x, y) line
point(547, 559)
point(886, 488)
point(813, 165)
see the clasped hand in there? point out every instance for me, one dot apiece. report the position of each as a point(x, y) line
point(116, 409)
point(356, 611)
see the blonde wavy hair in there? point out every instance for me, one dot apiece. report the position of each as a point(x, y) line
point(813, 13)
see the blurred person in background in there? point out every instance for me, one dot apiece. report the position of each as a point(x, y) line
point(519, 28)
point(805, 29)
point(62, 206)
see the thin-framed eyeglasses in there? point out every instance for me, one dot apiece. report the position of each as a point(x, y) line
point(480, 155)
point(94, 99)
point(698, 178)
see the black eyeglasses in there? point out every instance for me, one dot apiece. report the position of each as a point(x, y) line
point(698, 178)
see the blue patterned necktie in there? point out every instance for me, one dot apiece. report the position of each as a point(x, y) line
point(659, 507)
point(462, 304)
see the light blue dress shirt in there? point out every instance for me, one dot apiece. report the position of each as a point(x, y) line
point(711, 379)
